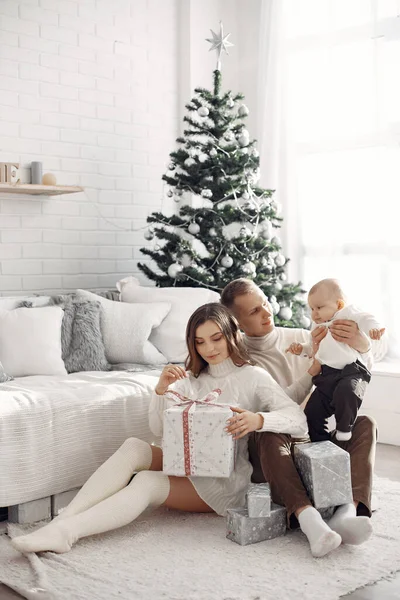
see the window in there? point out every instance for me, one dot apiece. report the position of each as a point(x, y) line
point(342, 62)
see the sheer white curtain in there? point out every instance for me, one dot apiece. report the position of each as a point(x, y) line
point(329, 116)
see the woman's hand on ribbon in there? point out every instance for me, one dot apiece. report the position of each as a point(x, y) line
point(243, 422)
point(169, 375)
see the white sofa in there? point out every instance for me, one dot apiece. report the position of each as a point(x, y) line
point(56, 430)
point(382, 400)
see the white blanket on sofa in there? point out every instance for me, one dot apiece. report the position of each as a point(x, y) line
point(56, 430)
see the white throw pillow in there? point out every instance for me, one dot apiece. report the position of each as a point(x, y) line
point(169, 337)
point(30, 341)
point(126, 329)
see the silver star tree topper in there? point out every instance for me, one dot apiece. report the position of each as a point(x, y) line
point(219, 42)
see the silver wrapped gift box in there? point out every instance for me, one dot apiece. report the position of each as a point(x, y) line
point(258, 500)
point(244, 530)
point(325, 471)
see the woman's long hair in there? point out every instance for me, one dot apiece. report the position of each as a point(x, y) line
point(214, 311)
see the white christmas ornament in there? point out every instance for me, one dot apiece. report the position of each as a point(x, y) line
point(227, 261)
point(194, 228)
point(266, 230)
point(207, 203)
point(305, 322)
point(177, 198)
point(206, 193)
point(213, 152)
point(249, 268)
point(243, 111)
point(212, 232)
point(276, 240)
point(174, 270)
point(203, 157)
point(282, 277)
point(189, 162)
point(275, 307)
point(203, 111)
point(244, 138)
point(149, 234)
point(285, 313)
point(186, 260)
point(170, 193)
point(278, 286)
point(280, 260)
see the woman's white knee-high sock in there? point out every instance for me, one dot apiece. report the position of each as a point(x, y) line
point(148, 488)
point(113, 475)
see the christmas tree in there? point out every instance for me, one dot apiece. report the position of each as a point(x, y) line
point(226, 226)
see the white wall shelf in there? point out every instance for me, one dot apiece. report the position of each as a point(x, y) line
point(38, 190)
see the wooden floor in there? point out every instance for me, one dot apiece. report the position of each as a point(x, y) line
point(387, 465)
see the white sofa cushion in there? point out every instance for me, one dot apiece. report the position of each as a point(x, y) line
point(126, 329)
point(30, 341)
point(169, 337)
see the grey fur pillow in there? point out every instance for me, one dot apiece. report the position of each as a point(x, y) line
point(81, 338)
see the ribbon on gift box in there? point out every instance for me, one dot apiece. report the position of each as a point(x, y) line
point(187, 421)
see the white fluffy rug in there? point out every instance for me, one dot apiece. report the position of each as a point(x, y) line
point(178, 556)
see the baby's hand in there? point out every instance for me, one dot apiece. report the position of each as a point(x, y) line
point(295, 348)
point(376, 334)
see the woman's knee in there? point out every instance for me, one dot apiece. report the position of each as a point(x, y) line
point(156, 483)
point(132, 444)
point(149, 478)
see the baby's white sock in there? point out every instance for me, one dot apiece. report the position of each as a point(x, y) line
point(113, 475)
point(148, 488)
point(343, 436)
point(352, 529)
point(322, 539)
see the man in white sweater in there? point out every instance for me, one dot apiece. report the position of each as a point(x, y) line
point(272, 453)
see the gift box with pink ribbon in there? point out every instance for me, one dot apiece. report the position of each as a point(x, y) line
point(194, 440)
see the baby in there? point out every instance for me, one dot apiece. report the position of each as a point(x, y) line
point(340, 387)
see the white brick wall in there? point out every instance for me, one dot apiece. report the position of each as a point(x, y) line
point(90, 88)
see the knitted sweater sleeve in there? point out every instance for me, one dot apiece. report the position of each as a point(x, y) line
point(302, 384)
point(280, 413)
point(300, 388)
